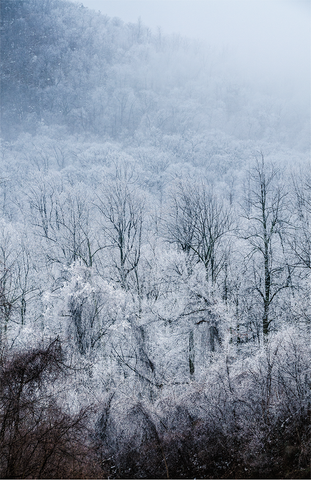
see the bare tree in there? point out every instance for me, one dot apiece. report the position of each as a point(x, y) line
point(266, 215)
point(17, 285)
point(198, 223)
point(301, 238)
point(63, 220)
point(122, 214)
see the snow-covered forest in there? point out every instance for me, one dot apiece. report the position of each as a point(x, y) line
point(155, 256)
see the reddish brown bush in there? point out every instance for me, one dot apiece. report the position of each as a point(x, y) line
point(37, 438)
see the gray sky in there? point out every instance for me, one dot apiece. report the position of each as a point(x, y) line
point(271, 38)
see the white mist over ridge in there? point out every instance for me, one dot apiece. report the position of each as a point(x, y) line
point(268, 41)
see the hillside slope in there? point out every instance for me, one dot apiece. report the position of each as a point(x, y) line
point(63, 64)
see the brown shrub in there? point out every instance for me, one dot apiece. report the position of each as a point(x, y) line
point(38, 439)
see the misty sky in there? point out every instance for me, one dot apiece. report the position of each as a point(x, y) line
point(270, 38)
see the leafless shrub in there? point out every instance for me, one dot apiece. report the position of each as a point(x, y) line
point(38, 439)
